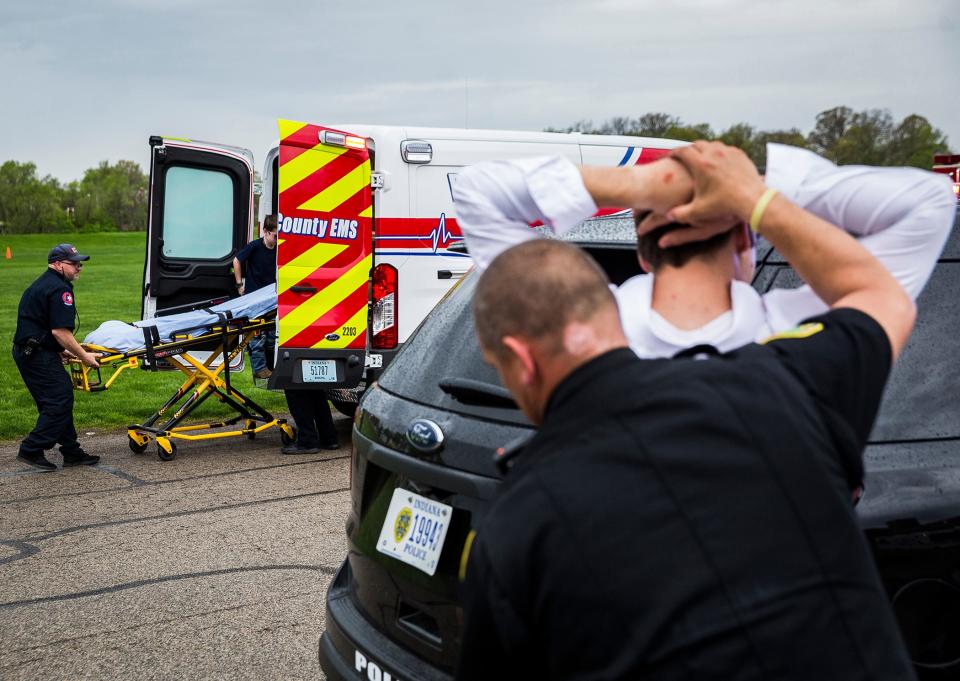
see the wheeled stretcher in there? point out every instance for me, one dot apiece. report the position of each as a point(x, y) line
point(203, 351)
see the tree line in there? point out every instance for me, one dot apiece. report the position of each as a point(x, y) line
point(113, 197)
point(109, 198)
point(845, 136)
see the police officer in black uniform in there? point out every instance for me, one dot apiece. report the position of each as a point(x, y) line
point(686, 518)
point(45, 323)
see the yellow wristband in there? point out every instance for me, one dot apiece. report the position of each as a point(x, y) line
point(757, 215)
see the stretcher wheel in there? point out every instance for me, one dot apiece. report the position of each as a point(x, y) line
point(166, 450)
point(136, 447)
point(287, 434)
point(250, 426)
point(137, 441)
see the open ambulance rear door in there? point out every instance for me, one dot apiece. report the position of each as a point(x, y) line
point(200, 203)
point(200, 215)
point(324, 256)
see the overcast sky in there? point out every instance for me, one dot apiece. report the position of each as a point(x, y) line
point(91, 81)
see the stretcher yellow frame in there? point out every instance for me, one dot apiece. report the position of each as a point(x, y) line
point(202, 379)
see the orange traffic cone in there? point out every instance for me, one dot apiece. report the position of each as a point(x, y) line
point(9, 254)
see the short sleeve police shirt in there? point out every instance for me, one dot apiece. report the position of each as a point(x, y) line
point(47, 304)
point(842, 359)
point(697, 525)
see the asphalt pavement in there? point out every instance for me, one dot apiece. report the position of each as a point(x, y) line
point(214, 565)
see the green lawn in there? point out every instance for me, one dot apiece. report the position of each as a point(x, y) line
point(109, 288)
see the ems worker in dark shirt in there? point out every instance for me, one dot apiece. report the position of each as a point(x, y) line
point(45, 323)
point(687, 518)
point(258, 261)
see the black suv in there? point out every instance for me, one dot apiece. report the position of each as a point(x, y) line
point(422, 475)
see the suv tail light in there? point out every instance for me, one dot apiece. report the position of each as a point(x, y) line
point(385, 336)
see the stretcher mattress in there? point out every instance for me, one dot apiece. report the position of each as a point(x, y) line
point(126, 337)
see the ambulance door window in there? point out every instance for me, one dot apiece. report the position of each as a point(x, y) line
point(198, 215)
point(434, 190)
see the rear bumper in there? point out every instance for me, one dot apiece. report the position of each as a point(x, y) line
point(351, 648)
point(288, 371)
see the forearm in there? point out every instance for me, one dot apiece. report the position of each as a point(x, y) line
point(237, 272)
point(68, 342)
point(657, 186)
point(497, 201)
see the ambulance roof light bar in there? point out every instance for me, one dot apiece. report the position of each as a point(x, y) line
point(339, 139)
point(416, 151)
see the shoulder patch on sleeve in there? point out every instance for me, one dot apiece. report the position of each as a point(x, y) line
point(802, 331)
point(67, 298)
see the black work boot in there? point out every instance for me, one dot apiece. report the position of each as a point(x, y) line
point(299, 449)
point(37, 461)
point(83, 459)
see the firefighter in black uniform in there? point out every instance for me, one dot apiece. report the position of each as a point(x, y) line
point(45, 323)
point(687, 518)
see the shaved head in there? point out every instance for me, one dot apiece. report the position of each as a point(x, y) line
point(535, 290)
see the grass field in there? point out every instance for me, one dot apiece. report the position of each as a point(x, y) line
point(108, 288)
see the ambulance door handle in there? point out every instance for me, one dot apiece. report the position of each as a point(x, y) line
point(304, 289)
point(450, 274)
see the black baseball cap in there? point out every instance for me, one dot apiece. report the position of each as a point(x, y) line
point(65, 252)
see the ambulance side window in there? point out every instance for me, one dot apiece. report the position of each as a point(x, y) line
point(434, 186)
point(198, 216)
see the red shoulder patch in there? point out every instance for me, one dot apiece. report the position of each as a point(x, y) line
point(67, 298)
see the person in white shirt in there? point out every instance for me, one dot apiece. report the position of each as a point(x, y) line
point(903, 216)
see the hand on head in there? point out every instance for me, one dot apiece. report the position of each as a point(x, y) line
point(726, 187)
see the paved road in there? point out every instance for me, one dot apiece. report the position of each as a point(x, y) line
point(213, 565)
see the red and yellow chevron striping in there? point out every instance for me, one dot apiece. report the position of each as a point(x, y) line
point(325, 240)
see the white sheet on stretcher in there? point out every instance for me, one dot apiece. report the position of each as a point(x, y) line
point(126, 337)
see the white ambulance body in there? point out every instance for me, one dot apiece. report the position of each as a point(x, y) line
point(397, 216)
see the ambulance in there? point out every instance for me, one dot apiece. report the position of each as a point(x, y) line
point(368, 240)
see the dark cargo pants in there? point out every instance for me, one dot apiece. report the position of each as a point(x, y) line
point(52, 391)
point(311, 412)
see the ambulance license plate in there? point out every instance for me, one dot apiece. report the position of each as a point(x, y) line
point(414, 530)
point(319, 370)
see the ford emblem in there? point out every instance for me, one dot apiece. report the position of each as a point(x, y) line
point(425, 435)
point(332, 336)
